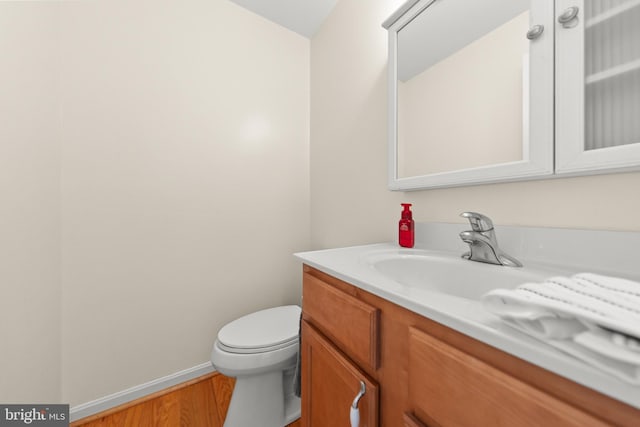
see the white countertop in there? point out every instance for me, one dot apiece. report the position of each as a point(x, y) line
point(465, 316)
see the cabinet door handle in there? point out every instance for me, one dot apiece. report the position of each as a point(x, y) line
point(535, 32)
point(354, 414)
point(568, 18)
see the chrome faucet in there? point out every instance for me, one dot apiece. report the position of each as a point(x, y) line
point(483, 244)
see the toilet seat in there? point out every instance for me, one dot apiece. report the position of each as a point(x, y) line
point(260, 351)
point(256, 350)
point(262, 331)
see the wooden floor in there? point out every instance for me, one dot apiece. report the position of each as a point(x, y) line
point(202, 402)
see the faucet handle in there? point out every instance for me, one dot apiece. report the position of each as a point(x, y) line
point(479, 222)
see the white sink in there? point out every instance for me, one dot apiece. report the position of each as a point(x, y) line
point(449, 273)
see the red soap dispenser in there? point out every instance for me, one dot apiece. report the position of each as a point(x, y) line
point(405, 233)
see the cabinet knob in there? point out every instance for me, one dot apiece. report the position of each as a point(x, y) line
point(535, 32)
point(354, 413)
point(568, 18)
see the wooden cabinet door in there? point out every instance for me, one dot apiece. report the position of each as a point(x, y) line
point(330, 382)
point(448, 387)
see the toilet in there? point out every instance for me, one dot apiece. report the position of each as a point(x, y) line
point(260, 350)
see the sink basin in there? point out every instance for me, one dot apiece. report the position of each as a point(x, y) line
point(449, 273)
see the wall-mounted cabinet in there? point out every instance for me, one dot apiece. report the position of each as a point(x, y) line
point(507, 90)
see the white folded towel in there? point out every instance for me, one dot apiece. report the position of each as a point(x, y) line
point(595, 318)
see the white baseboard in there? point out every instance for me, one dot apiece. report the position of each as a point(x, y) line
point(116, 399)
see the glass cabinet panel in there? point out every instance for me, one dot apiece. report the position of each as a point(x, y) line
point(598, 85)
point(612, 73)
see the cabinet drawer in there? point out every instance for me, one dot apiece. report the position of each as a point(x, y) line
point(448, 387)
point(352, 324)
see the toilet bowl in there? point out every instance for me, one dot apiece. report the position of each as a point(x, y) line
point(260, 350)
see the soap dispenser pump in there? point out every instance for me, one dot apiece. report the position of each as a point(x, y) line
point(405, 227)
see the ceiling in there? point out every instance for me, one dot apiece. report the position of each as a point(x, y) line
point(302, 16)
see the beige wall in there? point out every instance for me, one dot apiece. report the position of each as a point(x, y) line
point(157, 195)
point(184, 182)
point(350, 203)
point(29, 219)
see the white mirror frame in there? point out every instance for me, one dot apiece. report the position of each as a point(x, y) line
point(538, 113)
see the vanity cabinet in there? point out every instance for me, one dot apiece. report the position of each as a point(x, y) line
point(419, 373)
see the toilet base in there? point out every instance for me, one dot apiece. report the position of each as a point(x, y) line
point(265, 400)
point(291, 401)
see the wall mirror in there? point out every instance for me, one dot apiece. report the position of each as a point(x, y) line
point(462, 75)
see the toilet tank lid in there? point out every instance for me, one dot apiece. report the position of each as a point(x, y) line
point(263, 328)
